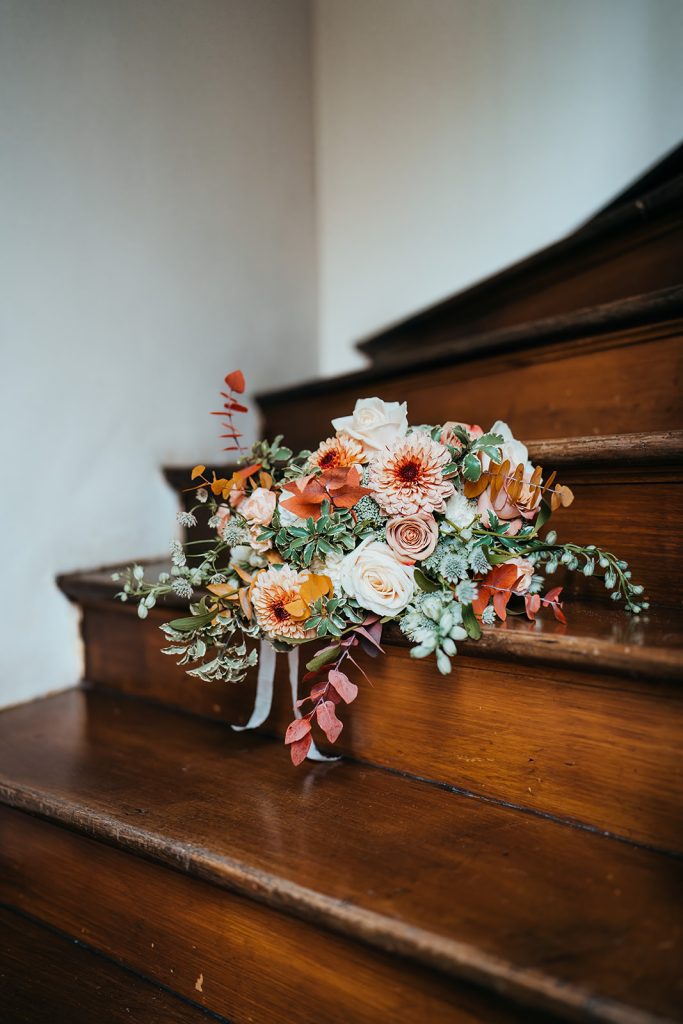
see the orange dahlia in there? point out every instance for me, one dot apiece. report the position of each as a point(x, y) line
point(337, 453)
point(272, 591)
point(407, 477)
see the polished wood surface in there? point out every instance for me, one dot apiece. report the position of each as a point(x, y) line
point(45, 976)
point(606, 384)
point(562, 917)
point(251, 963)
point(591, 747)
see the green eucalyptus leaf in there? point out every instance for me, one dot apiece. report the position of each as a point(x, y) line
point(424, 583)
point(471, 468)
point(470, 622)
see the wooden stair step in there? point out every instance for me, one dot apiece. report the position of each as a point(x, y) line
point(578, 722)
point(47, 976)
point(622, 484)
point(635, 245)
point(551, 917)
point(599, 381)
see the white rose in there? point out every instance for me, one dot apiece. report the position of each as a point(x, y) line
point(512, 449)
point(373, 575)
point(374, 423)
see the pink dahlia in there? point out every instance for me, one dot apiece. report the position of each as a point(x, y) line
point(407, 476)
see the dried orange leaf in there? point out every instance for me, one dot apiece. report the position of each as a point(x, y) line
point(197, 471)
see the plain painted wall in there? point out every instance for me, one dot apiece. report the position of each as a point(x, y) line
point(457, 136)
point(156, 230)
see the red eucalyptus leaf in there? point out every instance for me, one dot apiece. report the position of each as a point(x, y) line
point(347, 690)
point(299, 749)
point(500, 602)
point(297, 729)
point(532, 603)
point(235, 381)
point(559, 614)
point(328, 721)
point(552, 595)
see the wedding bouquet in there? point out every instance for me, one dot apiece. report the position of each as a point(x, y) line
point(435, 528)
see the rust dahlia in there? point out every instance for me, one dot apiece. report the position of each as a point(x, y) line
point(340, 452)
point(407, 477)
point(272, 591)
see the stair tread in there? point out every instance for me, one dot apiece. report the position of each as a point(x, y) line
point(476, 342)
point(42, 972)
point(561, 918)
point(597, 635)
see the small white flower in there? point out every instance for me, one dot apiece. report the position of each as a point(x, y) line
point(460, 511)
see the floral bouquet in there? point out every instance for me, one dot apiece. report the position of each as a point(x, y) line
point(435, 528)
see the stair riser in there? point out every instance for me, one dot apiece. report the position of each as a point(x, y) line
point(604, 385)
point(596, 749)
point(254, 963)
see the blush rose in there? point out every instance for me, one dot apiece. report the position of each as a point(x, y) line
point(413, 538)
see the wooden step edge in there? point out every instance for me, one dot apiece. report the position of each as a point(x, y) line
point(656, 307)
point(43, 969)
point(590, 649)
point(461, 961)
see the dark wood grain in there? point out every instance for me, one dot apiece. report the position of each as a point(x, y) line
point(585, 746)
point(562, 918)
point(606, 384)
point(46, 976)
point(251, 963)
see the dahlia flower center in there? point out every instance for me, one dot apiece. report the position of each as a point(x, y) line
point(328, 460)
point(280, 612)
point(409, 471)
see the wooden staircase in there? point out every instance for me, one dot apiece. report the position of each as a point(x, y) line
point(501, 845)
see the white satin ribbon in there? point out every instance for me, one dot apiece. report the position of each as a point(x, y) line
point(264, 693)
point(264, 688)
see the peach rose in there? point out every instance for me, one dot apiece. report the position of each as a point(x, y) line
point(223, 515)
point(513, 512)
point(258, 508)
point(526, 571)
point(413, 538)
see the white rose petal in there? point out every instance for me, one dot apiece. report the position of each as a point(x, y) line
point(374, 423)
point(512, 449)
point(373, 576)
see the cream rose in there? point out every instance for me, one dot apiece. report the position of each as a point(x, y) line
point(374, 423)
point(413, 538)
point(258, 508)
point(374, 576)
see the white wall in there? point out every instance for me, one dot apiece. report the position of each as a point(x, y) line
point(156, 230)
point(457, 136)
